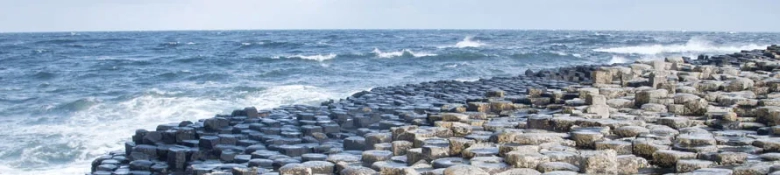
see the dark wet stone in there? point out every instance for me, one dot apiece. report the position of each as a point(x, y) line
point(354, 143)
point(177, 158)
point(143, 165)
point(160, 168)
point(208, 142)
point(293, 150)
point(144, 152)
point(449, 161)
point(243, 158)
point(313, 157)
point(278, 163)
point(263, 163)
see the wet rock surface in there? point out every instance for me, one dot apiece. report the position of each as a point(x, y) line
point(711, 115)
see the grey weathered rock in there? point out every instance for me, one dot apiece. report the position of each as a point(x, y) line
point(646, 96)
point(668, 158)
point(357, 171)
point(371, 156)
point(731, 158)
point(295, 169)
point(448, 162)
point(520, 159)
point(600, 162)
point(684, 166)
point(320, 167)
point(556, 166)
point(753, 168)
point(621, 147)
point(630, 164)
point(516, 171)
point(631, 131)
point(587, 137)
point(710, 171)
point(464, 169)
point(491, 165)
point(400, 147)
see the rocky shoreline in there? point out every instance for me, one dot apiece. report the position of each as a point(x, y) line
point(711, 115)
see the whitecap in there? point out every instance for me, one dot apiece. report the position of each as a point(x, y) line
point(318, 57)
point(694, 46)
point(560, 53)
point(618, 59)
point(466, 42)
point(404, 52)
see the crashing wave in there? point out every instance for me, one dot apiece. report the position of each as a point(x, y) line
point(401, 53)
point(466, 42)
point(90, 132)
point(618, 59)
point(692, 47)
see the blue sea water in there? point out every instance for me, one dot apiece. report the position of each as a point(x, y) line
point(66, 98)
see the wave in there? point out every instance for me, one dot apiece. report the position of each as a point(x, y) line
point(617, 59)
point(43, 75)
point(466, 42)
point(78, 105)
point(68, 146)
point(318, 57)
point(691, 47)
point(401, 53)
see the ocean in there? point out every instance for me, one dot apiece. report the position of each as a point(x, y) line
point(66, 98)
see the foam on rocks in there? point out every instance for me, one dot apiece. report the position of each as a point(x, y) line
point(710, 115)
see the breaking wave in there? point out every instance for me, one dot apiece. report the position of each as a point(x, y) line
point(693, 46)
point(104, 126)
point(466, 42)
point(618, 59)
point(401, 53)
point(318, 57)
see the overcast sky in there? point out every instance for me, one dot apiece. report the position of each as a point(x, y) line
point(113, 15)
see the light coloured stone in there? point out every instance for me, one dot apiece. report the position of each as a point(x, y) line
point(599, 162)
point(525, 160)
point(684, 166)
point(669, 158)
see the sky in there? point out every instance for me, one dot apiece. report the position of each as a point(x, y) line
point(141, 15)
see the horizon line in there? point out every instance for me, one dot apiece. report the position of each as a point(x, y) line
point(371, 29)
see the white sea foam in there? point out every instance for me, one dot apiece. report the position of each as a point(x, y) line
point(692, 47)
point(466, 42)
point(618, 59)
point(560, 53)
point(404, 52)
point(467, 79)
point(318, 57)
point(105, 127)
